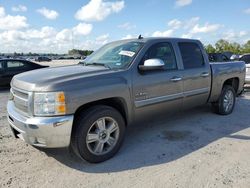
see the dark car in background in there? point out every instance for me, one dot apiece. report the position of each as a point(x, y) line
point(11, 67)
point(218, 57)
point(245, 58)
point(42, 58)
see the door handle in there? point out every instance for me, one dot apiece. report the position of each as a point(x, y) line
point(176, 79)
point(204, 74)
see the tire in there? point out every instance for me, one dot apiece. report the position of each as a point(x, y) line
point(225, 104)
point(92, 137)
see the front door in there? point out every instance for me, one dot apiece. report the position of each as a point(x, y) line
point(160, 91)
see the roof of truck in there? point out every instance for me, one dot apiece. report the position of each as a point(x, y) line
point(161, 38)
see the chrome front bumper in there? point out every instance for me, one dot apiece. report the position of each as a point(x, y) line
point(48, 132)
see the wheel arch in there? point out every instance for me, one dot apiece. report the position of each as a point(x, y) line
point(116, 102)
point(234, 82)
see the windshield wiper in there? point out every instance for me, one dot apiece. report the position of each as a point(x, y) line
point(98, 64)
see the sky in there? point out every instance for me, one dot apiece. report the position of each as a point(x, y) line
point(56, 26)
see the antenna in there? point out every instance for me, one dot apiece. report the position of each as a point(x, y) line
point(140, 37)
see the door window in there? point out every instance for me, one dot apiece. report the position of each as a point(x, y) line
point(163, 51)
point(15, 64)
point(191, 55)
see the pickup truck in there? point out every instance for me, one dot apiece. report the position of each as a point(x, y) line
point(87, 107)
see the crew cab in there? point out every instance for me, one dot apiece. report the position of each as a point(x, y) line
point(88, 106)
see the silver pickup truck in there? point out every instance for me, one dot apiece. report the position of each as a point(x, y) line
point(88, 106)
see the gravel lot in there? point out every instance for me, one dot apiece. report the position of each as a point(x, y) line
point(191, 149)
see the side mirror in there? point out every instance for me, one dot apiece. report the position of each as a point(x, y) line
point(152, 64)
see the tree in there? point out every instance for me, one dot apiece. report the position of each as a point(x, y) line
point(235, 48)
point(246, 47)
point(222, 45)
point(80, 52)
point(210, 49)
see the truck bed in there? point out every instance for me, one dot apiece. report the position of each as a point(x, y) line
point(222, 71)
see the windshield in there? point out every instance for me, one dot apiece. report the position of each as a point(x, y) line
point(114, 55)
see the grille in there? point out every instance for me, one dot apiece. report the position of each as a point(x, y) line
point(21, 100)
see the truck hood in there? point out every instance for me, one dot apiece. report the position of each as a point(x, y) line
point(45, 79)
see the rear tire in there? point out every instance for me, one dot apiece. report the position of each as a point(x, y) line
point(98, 133)
point(225, 104)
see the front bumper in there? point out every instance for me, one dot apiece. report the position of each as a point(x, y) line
point(48, 132)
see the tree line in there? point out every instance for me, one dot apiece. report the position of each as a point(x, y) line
point(80, 52)
point(224, 46)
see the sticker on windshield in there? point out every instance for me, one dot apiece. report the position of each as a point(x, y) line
point(127, 53)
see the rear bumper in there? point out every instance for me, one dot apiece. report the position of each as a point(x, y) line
point(48, 132)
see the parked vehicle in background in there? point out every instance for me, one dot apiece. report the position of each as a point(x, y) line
point(42, 58)
point(218, 57)
point(89, 106)
point(30, 58)
point(228, 54)
point(11, 67)
point(247, 76)
point(235, 57)
point(246, 59)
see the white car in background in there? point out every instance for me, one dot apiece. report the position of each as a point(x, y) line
point(246, 58)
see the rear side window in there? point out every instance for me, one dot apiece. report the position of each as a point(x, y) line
point(1, 66)
point(191, 55)
point(15, 64)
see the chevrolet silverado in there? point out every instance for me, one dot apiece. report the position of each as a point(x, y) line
point(88, 106)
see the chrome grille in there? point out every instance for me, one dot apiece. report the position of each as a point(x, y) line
point(21, 100)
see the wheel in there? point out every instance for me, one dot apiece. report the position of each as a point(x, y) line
point(226, 102)
point(98, 133)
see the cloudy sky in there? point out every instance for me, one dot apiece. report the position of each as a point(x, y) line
point(59, 25)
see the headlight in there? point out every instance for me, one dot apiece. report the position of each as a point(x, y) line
point(51, 103)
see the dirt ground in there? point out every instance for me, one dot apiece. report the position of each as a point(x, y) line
point(191, 149)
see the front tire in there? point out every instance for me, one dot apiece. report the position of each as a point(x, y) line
point(98, 133)
point(226, 102)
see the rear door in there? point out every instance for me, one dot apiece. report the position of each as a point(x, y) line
point(196, 74)
point(159, 91)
